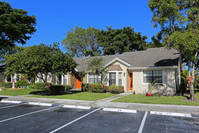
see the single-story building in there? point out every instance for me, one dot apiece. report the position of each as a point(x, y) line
point(132, 70)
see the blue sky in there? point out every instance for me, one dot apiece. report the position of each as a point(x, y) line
point(56, 17)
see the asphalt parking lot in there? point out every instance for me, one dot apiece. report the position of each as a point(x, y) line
point(25, 118)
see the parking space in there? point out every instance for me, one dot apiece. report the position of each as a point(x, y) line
point(170, 124)
point(106, 122)
point(25, 118)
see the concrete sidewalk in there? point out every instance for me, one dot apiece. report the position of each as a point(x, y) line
point(105, 103)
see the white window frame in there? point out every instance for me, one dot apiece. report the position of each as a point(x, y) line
point(95, 75)
point(117, 72)
point(142, 77)
point(62, 79)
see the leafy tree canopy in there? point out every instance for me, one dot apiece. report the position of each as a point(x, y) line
point(117, 41)
point(167, 13)
point(40, 60)
point(15, 25)
point(82, 42)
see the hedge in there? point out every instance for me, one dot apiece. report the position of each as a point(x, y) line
point(98, 88)
point(21, 83)
point(115, 89)
point(6, 84)
point(58, 89)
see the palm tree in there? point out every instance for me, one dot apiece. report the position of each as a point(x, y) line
point(96, 66)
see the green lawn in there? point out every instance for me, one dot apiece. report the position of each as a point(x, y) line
point(140, 98)
point(17, 92)
point(79, 96)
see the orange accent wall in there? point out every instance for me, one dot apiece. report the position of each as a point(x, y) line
point(131, 81)
point(78, 84)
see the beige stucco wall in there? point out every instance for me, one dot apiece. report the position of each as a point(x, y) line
point(85, 79)
point(169, 83)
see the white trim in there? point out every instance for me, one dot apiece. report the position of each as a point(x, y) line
point(143, 122)
point(116, 72)
point(151, 68)
point(117, 59)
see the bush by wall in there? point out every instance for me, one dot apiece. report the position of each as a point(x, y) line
point(32, 86)
point(67, 87)
point(57, 89)
point(115, 89)
point(84, 87)
point(21, 83)
point(40, 85)
point(97, 88)
point(6, 84)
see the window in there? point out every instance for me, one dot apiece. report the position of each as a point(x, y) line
point(112, 78)
point(40, 76)
point(8, 78)
point(58, 81)
point(65, 79)
point(92, 78)
point(120, 78)
point(151, 76)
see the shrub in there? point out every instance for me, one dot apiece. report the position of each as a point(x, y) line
point(85, 87)
point(57, 89)
point(40, 85)
point(116, 89)
point(98, 88)
point(21, 83)
point(33, 86)
point(6, 84)
point(67, 87)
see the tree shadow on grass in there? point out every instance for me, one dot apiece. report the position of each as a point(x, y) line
point(46, 93)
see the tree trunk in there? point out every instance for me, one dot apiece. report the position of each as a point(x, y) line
point(190, 85)
point(94, 78)
point(97, 79)
point(193, 74)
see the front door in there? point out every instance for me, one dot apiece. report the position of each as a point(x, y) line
point(131, 81)
point(78, 84)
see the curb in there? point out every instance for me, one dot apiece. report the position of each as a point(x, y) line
point(8, 101)
point(170, 114)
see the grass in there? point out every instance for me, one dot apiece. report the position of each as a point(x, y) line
point(173, 100)
point(17, 92)
point(79, 96)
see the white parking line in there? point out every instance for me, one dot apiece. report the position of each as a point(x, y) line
point(41, 104)
point(119, 110)
point(7, 101)
point(143, 122)
point(74, 121)
point(170, 114)
point(9, 106)
point(76, 107)
point(27, 114)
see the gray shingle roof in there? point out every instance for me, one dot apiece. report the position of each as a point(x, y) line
point(152, 57)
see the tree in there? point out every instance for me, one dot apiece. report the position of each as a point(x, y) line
point(8, 50)
point(40, 60)
point(188, 43)
point(117, 41)
point(82, 42)
point(168, 14)
point(95, 65)
point(15, 25)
